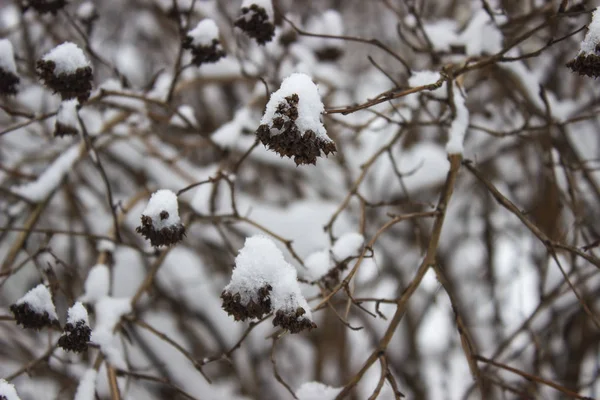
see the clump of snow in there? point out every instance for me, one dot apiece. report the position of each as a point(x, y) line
point(204, 33)
point(328, 23)
point(592, 37)
point(348, 245)
point(7, 56)
point(86, 390)
point(86, 11)
point(458, 128)
point(67, 58)
point(266, 4)
point(318, 264)
point(162, 201)
point(481, 35)
point(109, 311)
point(77, 313)
point(106, 245)
point(97, 284)
point(67, 114)
point(310, 106)
point(39, 300)
point(49, 180)
point(184, 117)
point(8, 391)
point(316, 391)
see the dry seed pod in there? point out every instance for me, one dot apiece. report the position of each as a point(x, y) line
point(257, 20)
point(160, 220)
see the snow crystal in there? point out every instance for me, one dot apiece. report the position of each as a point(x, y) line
point(592, 37)
point(77, 313)
point(7, 57)
point(67, 58)
point(87, 386)
point(67, 114)
point(39, 300)
point(310, 106)
point(318, 264)
point(8, 391)
point(86, 11)
point(204, 33)
point(162, 200)
point(316, 391)
point(261, 263)
point(97, 284)
point(49, 180)
point(459, 126)
point(266, 4)
point(348, 245)
point(184, 111)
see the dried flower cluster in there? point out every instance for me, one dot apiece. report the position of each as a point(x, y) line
point(255, 22)
point(76, 337)
point(160, 220)
point(204, 43)
point(45, 6)
point(35, 310)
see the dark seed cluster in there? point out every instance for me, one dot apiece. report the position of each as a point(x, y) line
point(8, 82)
point(45, 6)
point(204, 54)
point(75, 338)
point(329, 53)
point(61, 130)
point(30, 318)
point(293, 321)
point(304, 147)
point(586, 65)
point(254, 21)
point(253, 309)
point(166, 236)
point(77, 85)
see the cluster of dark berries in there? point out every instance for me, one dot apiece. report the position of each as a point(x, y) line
point(67, 123)
point(232, 303)
point(75, 337)
point(44, 6)
point(8, 69)
point(69, 85)
point(31, 318)
point(304, 147)
point(8, 82)
point(329, 53)
point(255, 22)
point(165, 236)
point(293, 321)
point(202, 54)
point(586, 64)
point(61, 130)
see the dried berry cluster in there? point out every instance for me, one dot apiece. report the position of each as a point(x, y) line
point(76, 85)
point(166, 236)
point(329, 53)
point(204, 54)
point(8, 82)
point(45, 6)
point(28, 317)
point(305, 147)
point(61, 130)
point(253, 309)
point(293, 321)
point(586, 65)
point(75, 338)
point(255, 22)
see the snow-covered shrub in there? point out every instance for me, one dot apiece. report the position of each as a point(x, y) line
point(160, 220)
point(291, 124)
point(203, 41)
point(66, 70)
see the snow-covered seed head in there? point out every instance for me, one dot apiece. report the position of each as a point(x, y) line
point(233, 305)
point(203, 41)
point(587, 62)
point(8, 391)
point(66, 71)
point(293, 321)
point(257, 20)
point(328, 23)
point(67, 122)
point(77, 331)
point(291, 125)
point(35, 310)
point(8, 69)
point(160, 220)
point(45, 6)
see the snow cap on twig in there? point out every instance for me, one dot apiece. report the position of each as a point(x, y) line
point(66, 70)
point(291, 124)
point(67, 122)
point(8, 69)
point(8, 391)
point(257, 20)
point(203, 41)
point(35, 310)
point(77, 330)
point(160, 220)
point(328, 23)
point(587, 62)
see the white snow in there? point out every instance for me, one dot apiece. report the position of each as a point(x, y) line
point(39, 300)
point(310, 106)
point(87, 386)
point(97, 284)
point(328, 23)
point(458, 128)
point(86, 10)
point(162, 200)
point(266, 4)
point(592, 37)
point(318, 264)
point(77, 313)
point(106, 245)
point(481, 35)
point(260, 263)
point(187, 112)
point(316, 391)
point(204, 33)
point(67, 58)
point(109, 311)
point(7, 56)
point(49, 180)
point(8, 390)
point(348, 245)
point(67, 114)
